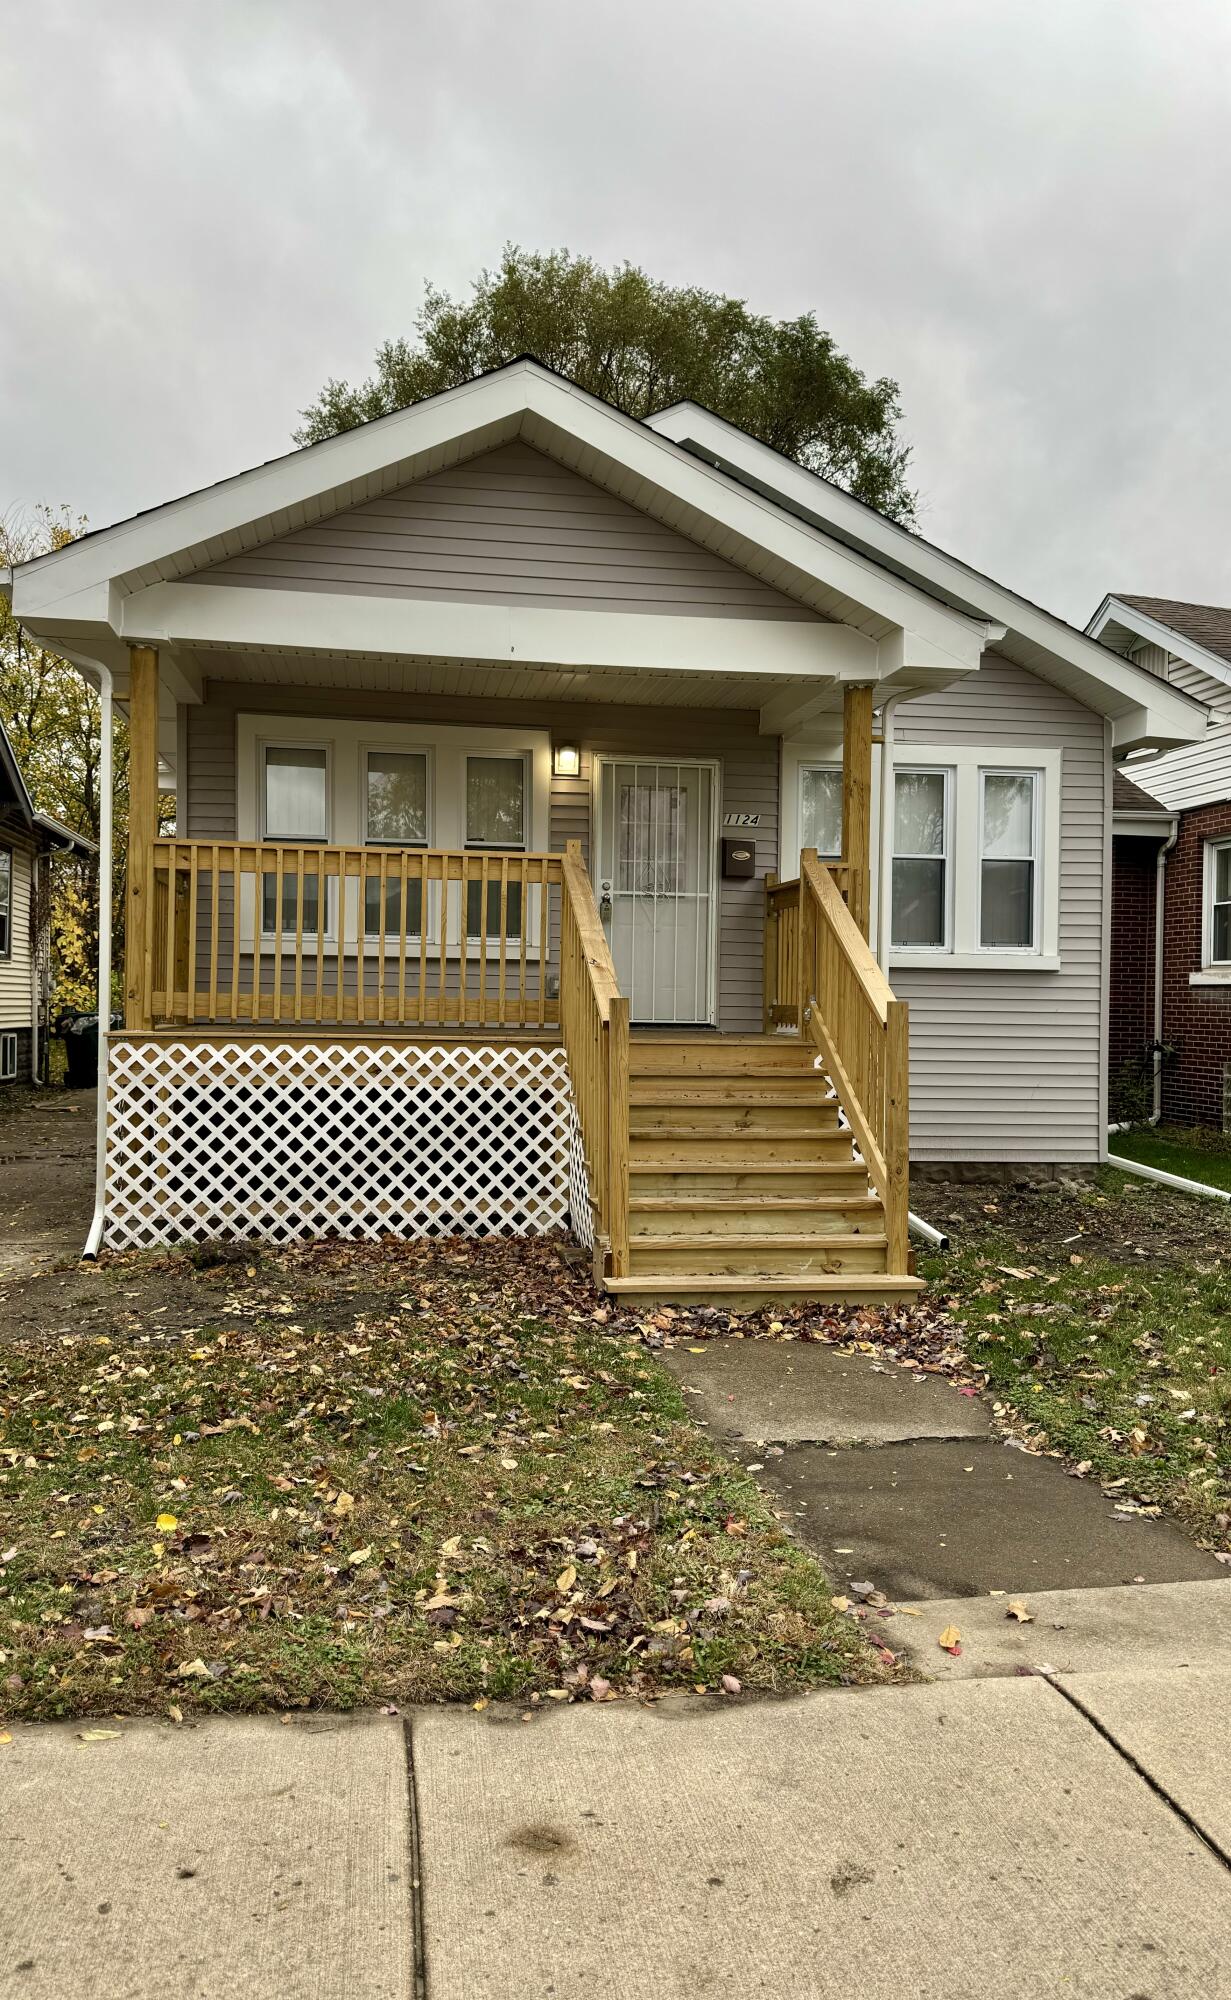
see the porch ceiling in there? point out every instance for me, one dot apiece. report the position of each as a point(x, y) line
point(636, 687)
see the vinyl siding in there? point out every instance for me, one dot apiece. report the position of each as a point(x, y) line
point(1007, 1066)
point(510, 527)
point(748, 783)
point(1198, 774)
point(15, 970)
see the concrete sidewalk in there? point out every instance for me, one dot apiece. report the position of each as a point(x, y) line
point(1004, 1839)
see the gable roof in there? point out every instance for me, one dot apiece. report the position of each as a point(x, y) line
point(1128, 797)
point(723, 490)
point(1197, 633)
point(1208, 624)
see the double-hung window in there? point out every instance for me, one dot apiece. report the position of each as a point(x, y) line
point(496, 813)
point(396, 814)
point(820, 809)
point(1008, 860)
point(6, 902)
point(294, 810)
point(1218, 903)
point(921, 859)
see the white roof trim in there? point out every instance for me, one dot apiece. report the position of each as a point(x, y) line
point(1107, 682)
point(1114, 611)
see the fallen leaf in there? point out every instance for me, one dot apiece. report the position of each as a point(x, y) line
point(566, 1579)
point(950, 1640)
point(1016, 1609)
point(97, 1735)
point(166, 1524)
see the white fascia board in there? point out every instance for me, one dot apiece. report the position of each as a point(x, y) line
point(541, 403)
point(1114, 611)
point(1143, 825)
point(217, 615)
point(1111, 685)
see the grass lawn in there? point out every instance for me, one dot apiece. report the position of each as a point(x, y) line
point(1102, 1317)
point(343, 1476)
point(1197, 1155)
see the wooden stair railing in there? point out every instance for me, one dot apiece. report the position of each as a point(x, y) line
point(821, 975)
point(594, 1026)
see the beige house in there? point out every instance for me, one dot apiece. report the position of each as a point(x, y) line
point(572, 812)
point(28, 839)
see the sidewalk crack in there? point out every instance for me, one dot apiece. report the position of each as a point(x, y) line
point(1160, 1791)
point(418, 1989)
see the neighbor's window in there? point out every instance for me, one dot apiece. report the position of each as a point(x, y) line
point(1008, 860)
point(495, 817)
point(820, 810)
point(1218, 889)
point(395, 814)
point(921, 858)
point(6, 902)
point(294, 807)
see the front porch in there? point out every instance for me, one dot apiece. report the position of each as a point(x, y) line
point(383, 1039)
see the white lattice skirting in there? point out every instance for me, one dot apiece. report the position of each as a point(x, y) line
point(294, 1140)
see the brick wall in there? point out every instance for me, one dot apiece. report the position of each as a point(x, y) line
point(1196, 1019)
point(1131, 1024)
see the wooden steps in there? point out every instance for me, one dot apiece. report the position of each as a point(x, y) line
point(745, 1188)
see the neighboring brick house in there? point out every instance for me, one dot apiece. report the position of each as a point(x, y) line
point(1177, 832)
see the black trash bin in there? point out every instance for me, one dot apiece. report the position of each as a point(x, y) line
point(80, 1032)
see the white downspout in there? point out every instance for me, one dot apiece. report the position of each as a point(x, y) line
point(105, 840)
point(1160, 903)
point(36, 975)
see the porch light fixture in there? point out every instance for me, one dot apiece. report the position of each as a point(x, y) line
point(566, 760)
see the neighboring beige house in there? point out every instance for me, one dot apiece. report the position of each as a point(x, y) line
point(535, 768)
point(27, 841)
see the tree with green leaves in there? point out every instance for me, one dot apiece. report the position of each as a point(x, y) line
point(53, 721)
point(642, 344)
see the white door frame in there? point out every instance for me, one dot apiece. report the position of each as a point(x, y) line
point(657, 761)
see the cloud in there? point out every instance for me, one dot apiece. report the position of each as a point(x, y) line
point(1018, 212)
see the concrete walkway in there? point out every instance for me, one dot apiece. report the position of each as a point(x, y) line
point(996, 1839)
point(47, 1142)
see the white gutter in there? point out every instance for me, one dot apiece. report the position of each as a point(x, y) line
point(936, 1237)
point(105, 840)
point(1160, 903)
point(1167, 1180)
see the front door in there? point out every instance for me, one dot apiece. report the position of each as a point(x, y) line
point(655, 880)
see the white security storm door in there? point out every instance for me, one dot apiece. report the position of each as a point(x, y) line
point(656, 886)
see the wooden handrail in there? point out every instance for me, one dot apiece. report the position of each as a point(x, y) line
point(259, 930)
point(594, 1025)
point(821, 976)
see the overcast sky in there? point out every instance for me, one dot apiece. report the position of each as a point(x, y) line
point(1020, 211)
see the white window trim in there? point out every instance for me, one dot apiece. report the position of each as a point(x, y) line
point(1214, 971)
point(346, 743)
point(912, 953)
point(986, 771)
point(967, 762)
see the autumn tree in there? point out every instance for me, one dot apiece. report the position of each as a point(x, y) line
point(642, 344)
point(53, 721)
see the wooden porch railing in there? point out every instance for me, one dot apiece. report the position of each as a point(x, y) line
point(594, 1024)
point(820, 974)
point(246, 931)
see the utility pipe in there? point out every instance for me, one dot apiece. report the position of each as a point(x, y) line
point(105, 840)
point(936, 1237)
point(1160, 903)
point(1167, 1180)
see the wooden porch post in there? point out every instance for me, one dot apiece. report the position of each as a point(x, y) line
point(142, 831)
point(857, 802)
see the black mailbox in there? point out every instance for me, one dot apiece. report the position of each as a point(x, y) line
point(739, 857)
